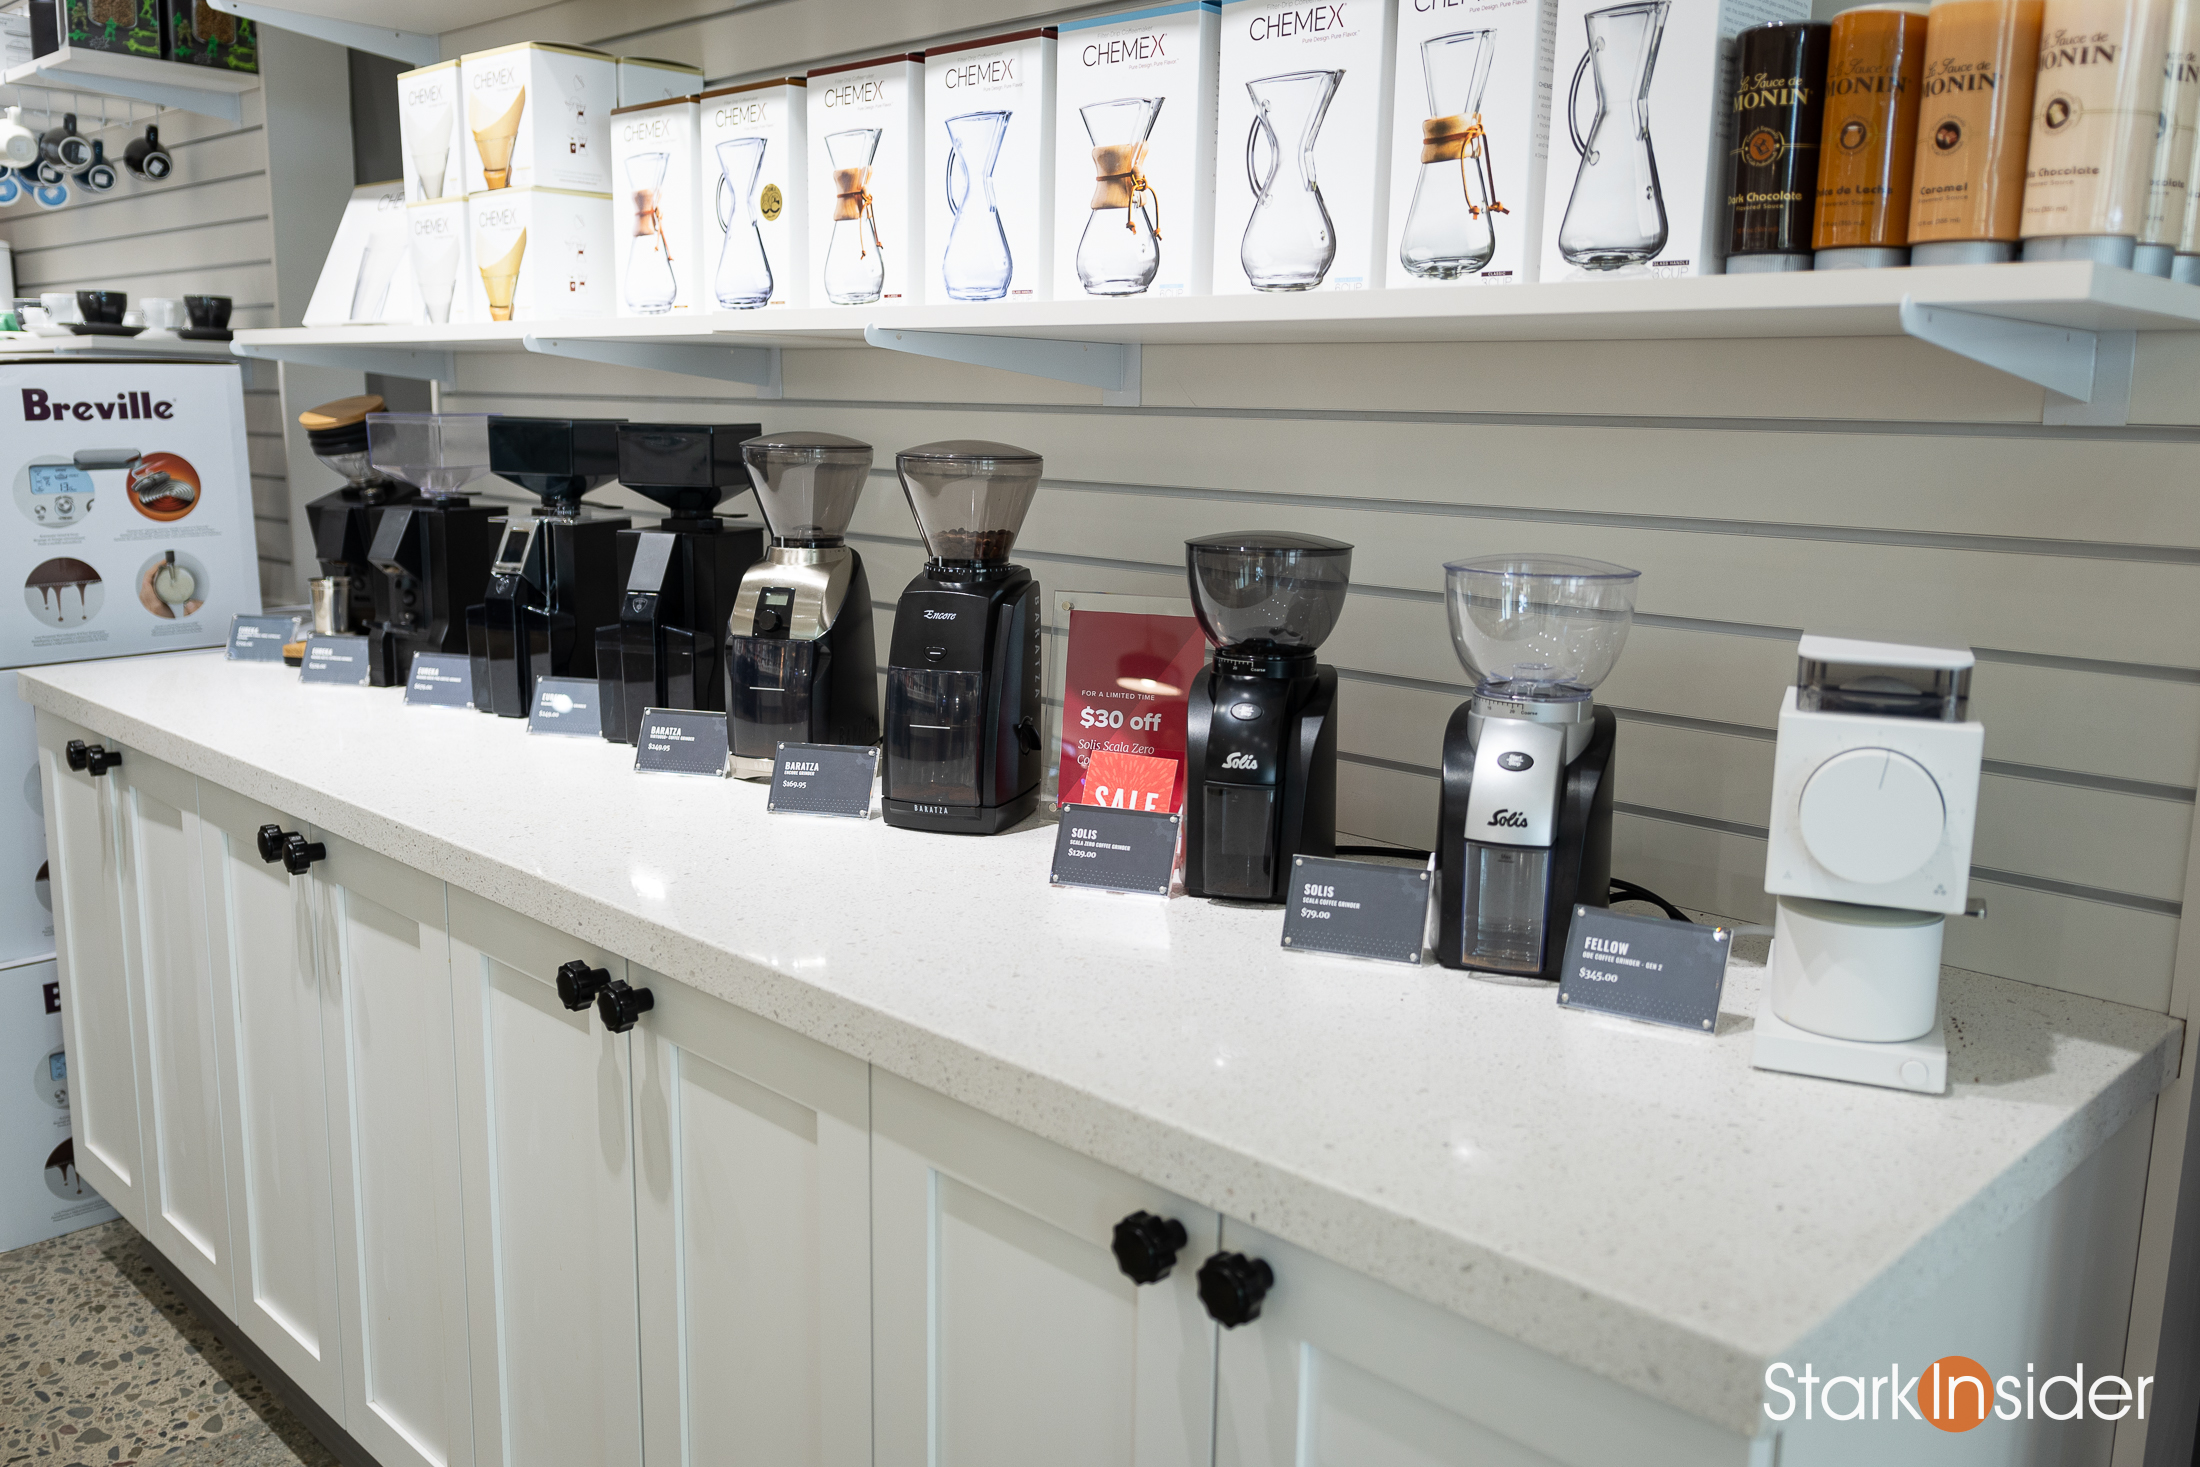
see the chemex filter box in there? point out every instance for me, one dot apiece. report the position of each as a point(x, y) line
point(540, 254)
point(538, 116)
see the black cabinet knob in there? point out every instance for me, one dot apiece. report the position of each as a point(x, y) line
point(101, 758)
point(77, 754)
point(1146, 1246)
point(270, 838)
point(620, 1006)
point(1232, 1286)
point(299, 853)
point(578, 984)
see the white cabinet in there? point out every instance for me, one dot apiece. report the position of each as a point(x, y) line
point(1005, 1332)
point(753, 1209)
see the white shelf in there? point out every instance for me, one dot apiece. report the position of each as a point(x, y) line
point(207, 90)
point(136, 348)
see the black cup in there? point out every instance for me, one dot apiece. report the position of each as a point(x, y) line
point(207, 312)
point(102, 307)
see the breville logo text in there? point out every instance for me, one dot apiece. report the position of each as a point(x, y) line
point(39, 408)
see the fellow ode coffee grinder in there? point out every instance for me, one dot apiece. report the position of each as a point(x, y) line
point(802, 666)
point(1260, 733)
point(962, 679)
point(1525, 830)
point(667, 648)
point(556, 575)
point(1874, 797)
point(431, 556)
point(343, 522)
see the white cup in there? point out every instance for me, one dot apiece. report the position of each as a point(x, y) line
point(18, 144)
point(161, 313)
point(61, 305)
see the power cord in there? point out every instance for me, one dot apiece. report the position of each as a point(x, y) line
point(1627, 891)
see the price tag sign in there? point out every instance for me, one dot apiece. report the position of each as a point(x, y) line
point(566, 705)
point(257, 638)
point(440, 680)
point(823, 779)
point(681, 741)
point(1115, 850)
point(335, 660)
point(1356, 909)
point(1647, 968)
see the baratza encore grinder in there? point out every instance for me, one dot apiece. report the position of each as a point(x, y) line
point(667, 648)
point(1525, 830)
point(343, 522)
point(1260, 734)
point(430, 557)
point(556, 575)
point(962, 683)
point(802, 666)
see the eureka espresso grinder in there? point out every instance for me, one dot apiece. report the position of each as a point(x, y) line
point(1525, 829)
point(1874, 798)
point(667, 647)
point(556, 575)
point(430, 556)
point(1260, 734)
point(801, 664)
point(962, 678)
point(343, 522)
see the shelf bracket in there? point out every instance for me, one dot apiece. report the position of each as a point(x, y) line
point(387, 361)
point(2087, 374)
point(1111, 366)
point(409, 46)
point(756, 365)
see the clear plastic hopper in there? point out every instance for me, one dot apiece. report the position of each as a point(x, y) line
point(969, 497)
point(441, 453)
point(1545, 628)
point(807, 484)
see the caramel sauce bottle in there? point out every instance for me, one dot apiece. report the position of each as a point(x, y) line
point(2095, 115)
point(1868, 148)
point(1772, 170)
point(1974, 122)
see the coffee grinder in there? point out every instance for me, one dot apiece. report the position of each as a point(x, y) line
point(802, 666)
point(1260, 732)
point(1874, 798)
point(555, 578)
point(1525, 827)
point(430, 557)
point(667, 648)
point(962, 678)
point(343, 522)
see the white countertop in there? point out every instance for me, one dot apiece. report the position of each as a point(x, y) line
point(1632, 1199)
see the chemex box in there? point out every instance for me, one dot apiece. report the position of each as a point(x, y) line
point(1305, 100)
point(431, 127)
point(538, 116)
point(1135, 108)
point(1468, 141)
point(755, 171)
point(1637, 188)
point(867, 167)
point(660, 229)
point(203, 36)
point(540, 254)
point(441, 247)
point(989, 147)
point(367, 276)
point(643, 79)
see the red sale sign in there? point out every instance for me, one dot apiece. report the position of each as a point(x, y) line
point(1127, 680)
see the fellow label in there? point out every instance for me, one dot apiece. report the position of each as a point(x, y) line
point(1115, 850)
point(1647, 968)
point(335, 660)
point(258, 638)
point(823, 779)
point(1356, 909)
point(566, 705)
point(440, 680)
point(681, 741)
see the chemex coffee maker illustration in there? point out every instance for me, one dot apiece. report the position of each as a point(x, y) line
point(1120, 250)
point(855, 259)
point(666, 649)
point(1874, 798)
point(1289, 241)
point(801, 664)
point(431, 555)
point(556, 574)
point(1524, 832)
point(1450, 231)
point(743, 278)
point(344, 521)
point(962, 678)
point(1260, 733)
point(1615, 216)
point(975, 265)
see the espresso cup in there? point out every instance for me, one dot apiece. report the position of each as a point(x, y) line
point(61, 306)
point(208, 312)
point(102, 307)
point(161, 312)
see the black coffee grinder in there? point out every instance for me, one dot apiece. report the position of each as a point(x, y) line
point(803, 666)
point(667, 648)
point(343, 522)
point(1260, 734)
point(962, 680)
point(430, 557)
point(555, 578)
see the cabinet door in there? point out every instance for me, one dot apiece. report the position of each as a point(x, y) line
point(261, 941)
point(546, 1137)
point(753, 1210)
point(1342, 1371)
point(1005, 1333)
point(84, 864)
point(400, 1232)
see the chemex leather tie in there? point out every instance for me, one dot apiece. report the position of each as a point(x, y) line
point(1118, 180)
point(1462, 137)
point(852, 187)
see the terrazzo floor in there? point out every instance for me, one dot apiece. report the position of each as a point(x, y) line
point(101, 1362)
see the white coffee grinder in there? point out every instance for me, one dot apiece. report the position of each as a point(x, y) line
point(1874, 796)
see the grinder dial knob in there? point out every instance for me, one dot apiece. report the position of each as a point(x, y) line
point(1872, 816)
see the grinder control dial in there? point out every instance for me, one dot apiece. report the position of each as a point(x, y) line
point(1872, 816)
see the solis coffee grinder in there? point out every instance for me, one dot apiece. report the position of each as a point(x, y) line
point(802, 666)
point(1260, 732)
point(556, 574)
point(667, 647)
point(1525, 829)
point(962, 679)
point(430, 556)
point(343, 522)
